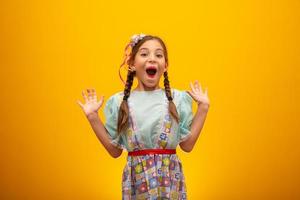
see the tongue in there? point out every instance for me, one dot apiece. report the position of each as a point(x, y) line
point(151, 75)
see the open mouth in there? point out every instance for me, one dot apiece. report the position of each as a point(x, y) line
point(151, 71)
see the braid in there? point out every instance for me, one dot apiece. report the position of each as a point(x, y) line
point(130, 76)
point(124, 109)
point(172, 107)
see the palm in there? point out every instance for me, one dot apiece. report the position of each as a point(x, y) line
point(197, 94)
point(91, 104)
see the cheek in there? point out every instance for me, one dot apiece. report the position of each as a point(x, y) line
point(139, 59)
point(163, 66)
point(163, 63)
point(140, 73)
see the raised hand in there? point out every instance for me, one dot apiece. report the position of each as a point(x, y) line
point(198, 95)
point(91, 104)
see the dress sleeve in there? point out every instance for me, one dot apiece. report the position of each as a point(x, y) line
point(185, 115)
point(111, 110)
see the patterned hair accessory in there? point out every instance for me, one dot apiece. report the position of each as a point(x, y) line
point(134, 40)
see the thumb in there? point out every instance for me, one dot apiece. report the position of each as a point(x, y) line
point(101, 100)
point(189, 92)
point(79, 103)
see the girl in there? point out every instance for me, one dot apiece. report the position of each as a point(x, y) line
point(149, 122)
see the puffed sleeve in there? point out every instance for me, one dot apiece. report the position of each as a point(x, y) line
point(185, 115)
point(111, 110)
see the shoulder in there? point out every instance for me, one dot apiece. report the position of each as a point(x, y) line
point(115, 98)
point(181, 96)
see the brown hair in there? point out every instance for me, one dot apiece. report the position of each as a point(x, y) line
point(123, 117)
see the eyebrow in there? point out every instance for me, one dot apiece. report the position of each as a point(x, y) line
point(148, 49)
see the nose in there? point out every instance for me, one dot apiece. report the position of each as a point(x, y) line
point(151, 58)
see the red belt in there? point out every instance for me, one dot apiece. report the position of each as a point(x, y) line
point(151, 151)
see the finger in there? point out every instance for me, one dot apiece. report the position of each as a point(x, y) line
point(101, 100)
point(196, 87)
point(191, 93)
point(88, 91)
point(93, 91)
point(79, 103)
point(206, 91)
point(199, 86)
point(89, 94)
point(192, 87)
point(84, 96)
point(196, 84)
point(94, 95)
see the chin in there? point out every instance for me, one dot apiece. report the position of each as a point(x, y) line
point(151, 85)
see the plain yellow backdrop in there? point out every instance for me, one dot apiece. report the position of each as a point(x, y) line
point(245, 52)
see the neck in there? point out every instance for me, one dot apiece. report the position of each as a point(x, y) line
point(143, 87)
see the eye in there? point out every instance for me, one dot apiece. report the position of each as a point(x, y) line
point(143, 54)
point(159, 55)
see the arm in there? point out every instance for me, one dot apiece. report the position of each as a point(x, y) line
point(198, 120)
point(196, 127)
point(90, 109)
point(102, 135)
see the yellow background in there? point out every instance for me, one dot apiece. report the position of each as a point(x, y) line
point(245, 52)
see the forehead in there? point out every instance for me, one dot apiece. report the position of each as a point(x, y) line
point(151, 45)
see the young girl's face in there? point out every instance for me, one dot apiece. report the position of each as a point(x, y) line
point(150, 64)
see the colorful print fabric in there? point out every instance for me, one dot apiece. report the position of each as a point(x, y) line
point(153, 176)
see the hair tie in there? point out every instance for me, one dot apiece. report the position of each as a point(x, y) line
point(170, 98)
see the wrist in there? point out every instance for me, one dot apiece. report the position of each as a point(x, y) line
point(203, 106)
point(93, 115)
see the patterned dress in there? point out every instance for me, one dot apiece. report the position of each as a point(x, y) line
point(152, 176)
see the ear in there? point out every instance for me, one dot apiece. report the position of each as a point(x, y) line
point(132, 68)
point(166, 67)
